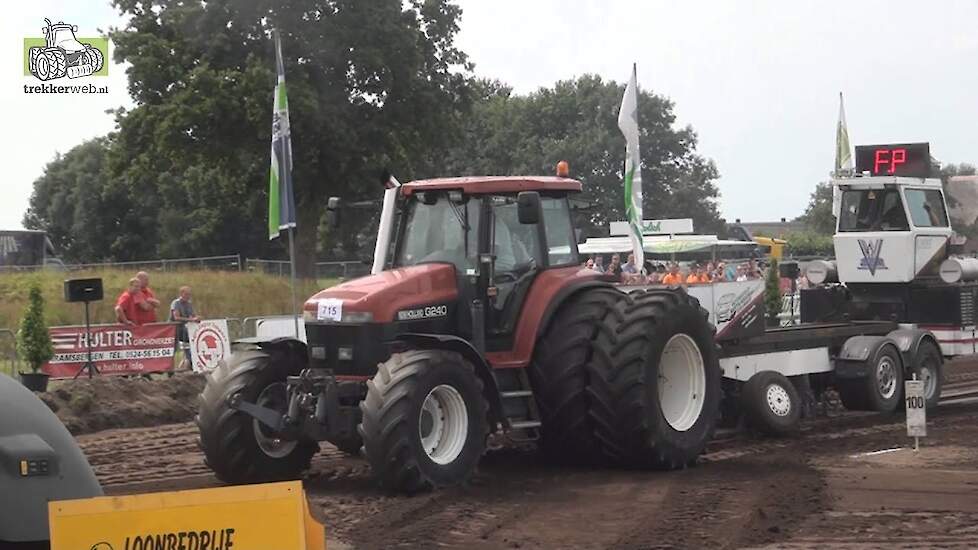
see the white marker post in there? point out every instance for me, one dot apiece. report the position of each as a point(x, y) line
point(913, 391)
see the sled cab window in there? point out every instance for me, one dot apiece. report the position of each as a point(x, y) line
point(438, 229)
point(926, 207)
point(872, 210)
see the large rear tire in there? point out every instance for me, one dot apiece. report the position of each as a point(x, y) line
point(655, 381)
point(424, 421)
point(238, 448)
point(560, 378)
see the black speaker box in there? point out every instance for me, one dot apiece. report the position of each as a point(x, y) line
point(83, 290)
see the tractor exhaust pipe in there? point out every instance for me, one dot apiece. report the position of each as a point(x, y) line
point(386, 222)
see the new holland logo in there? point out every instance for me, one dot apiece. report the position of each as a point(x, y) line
point(871, 255)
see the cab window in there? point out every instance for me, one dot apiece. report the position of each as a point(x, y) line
point(561, 242)
point(926, 207)
point(872, 210)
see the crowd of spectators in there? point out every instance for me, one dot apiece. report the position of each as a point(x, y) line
point(676, 273)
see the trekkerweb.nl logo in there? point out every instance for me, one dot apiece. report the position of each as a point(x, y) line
point(60, 53)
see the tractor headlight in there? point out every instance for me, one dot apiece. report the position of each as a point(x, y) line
point(357, 316)
point(344, 354)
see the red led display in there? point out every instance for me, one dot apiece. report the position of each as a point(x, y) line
point(908, 159)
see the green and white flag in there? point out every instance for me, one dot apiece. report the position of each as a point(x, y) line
point(628, 124)
point(281, 202)
point(843, 153)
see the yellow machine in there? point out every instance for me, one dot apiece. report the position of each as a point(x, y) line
point(775, 246)
point(272, 516)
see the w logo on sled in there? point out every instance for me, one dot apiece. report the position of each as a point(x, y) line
point(60, 53)
point(871, 255)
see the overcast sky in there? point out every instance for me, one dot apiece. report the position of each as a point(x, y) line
point(759, 81)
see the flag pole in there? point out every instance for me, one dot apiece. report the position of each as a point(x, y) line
point(295, 305)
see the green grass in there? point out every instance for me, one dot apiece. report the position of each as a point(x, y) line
point(217, 294)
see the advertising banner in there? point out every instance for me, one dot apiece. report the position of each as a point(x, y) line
point(209, 343)
point(116, 349)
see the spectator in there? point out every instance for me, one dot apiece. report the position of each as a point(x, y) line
point(673, 277)
point(697, 275)
point(589, 264)
point(128, 304)
point(730, 272)
point(149, 302)
point(599, 263)
point(629, 266)
point(182, 312)
point(614, 268)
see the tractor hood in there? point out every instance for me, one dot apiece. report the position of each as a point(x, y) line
point(379, 298)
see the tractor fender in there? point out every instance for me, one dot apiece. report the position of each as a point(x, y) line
point(295, 350)
point(859, 352)
point(908, 340)
point(461, 346)
point(563, 295)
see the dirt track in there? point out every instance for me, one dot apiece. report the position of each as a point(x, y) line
point(809, 491)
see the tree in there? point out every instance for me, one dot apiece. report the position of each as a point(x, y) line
point(73, 202)
point(370, 85)
point(33, 341)
point(577, 121)
point(818, 215)
point(809, 243)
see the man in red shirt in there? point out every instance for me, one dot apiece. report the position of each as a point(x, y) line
point(127, 306)
point(149, 303)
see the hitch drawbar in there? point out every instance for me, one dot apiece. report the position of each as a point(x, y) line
point(312, 409)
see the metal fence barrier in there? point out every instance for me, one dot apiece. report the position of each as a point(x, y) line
point(790, 310)
point(343, 269)
point(217, 263)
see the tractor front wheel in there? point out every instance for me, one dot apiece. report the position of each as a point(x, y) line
point(424, 421)
point(237, 447)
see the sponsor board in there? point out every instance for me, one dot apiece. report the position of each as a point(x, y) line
point(116, 349)
point(252, 517)
point(209, 343)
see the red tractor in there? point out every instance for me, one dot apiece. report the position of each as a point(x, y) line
point(483, 321)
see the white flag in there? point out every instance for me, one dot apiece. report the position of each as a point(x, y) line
point(628, 124)
point(843, 153)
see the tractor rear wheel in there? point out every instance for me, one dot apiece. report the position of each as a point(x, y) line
point(237, 447)
point(95, 57)
point(655, 380)
point(51, 64)
point(882, 388)
point(424, 421)
point(560, 378)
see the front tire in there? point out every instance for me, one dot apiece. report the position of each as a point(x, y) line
point(237, 447)
point(424, 421)
point(656, 381)
point(771, 404)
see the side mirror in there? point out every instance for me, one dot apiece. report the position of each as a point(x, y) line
point(528, 207)
point(74, 28)
point(333, 208)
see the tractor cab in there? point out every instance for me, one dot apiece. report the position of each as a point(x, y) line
point(464, 254)
point(892, 226)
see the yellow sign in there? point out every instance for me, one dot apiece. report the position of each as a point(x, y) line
point(273, 516)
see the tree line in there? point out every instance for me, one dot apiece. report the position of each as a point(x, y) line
point(371, 86)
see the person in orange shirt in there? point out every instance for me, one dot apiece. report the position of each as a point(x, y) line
point(149, 303)
point(127, 306)
point(698, 276)
point(673, 277)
